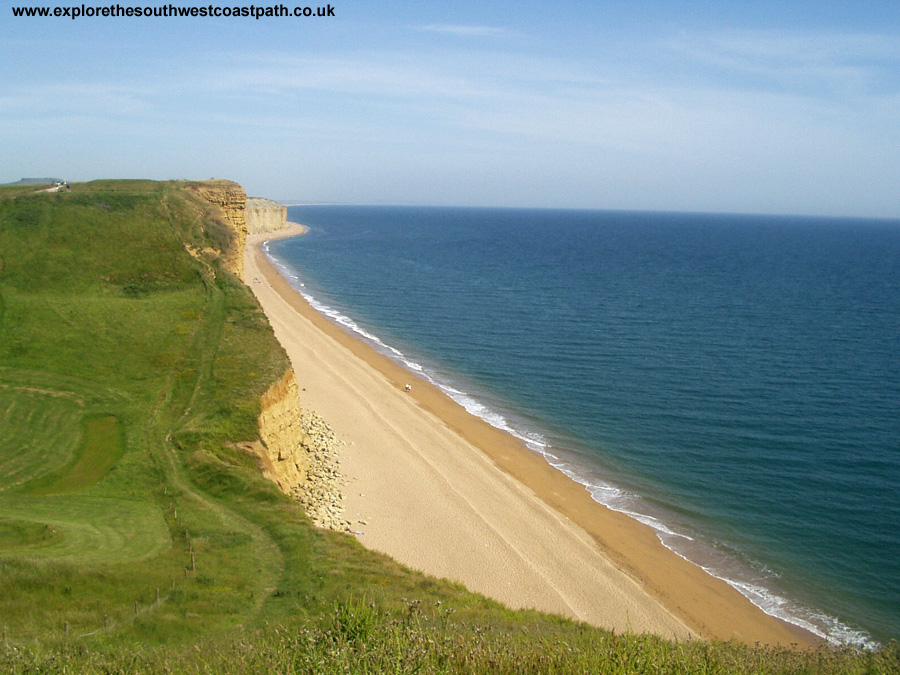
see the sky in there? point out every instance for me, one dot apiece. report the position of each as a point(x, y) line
point(728, 106)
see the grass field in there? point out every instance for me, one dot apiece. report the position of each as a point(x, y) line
point(135, 537)
point(108, 330)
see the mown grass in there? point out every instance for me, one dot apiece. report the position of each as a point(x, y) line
point(100, 446)
point(41, 427)
point(19, 534)
point(136, 537)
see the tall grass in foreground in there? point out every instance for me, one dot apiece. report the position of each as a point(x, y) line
point(359, 638)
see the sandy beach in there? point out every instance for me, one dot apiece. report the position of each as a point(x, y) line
point(444, 492)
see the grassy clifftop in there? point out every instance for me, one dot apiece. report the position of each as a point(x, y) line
point(135, 535)
point(123, 361)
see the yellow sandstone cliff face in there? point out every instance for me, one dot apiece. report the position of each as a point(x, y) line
point(297, 448)
point(284, 453)
point(227, 201)
point(299, 454)
point(264, 215)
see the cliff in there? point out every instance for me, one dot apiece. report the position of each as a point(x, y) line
point(227, 201)
point(297, 448)
point(264, 215)
point(299, 453)
point(284, 456)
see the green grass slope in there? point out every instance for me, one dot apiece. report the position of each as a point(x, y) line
point(136, 538)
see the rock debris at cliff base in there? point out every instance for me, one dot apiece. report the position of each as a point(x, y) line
point(321, 494)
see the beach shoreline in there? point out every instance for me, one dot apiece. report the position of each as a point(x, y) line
point(445, 492)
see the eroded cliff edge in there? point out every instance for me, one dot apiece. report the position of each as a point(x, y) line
point(264, 215)
point(297, 449)
point(227, 201)
point(299, 453)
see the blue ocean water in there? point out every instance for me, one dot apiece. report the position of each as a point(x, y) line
point(732, 381)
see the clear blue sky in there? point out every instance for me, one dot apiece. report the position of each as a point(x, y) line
point(775, 107)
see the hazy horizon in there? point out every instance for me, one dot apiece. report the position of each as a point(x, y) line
point(783, 108)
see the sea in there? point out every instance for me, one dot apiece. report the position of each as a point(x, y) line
point(732, 381)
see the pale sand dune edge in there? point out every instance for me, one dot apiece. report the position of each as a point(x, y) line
point(442, 491)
